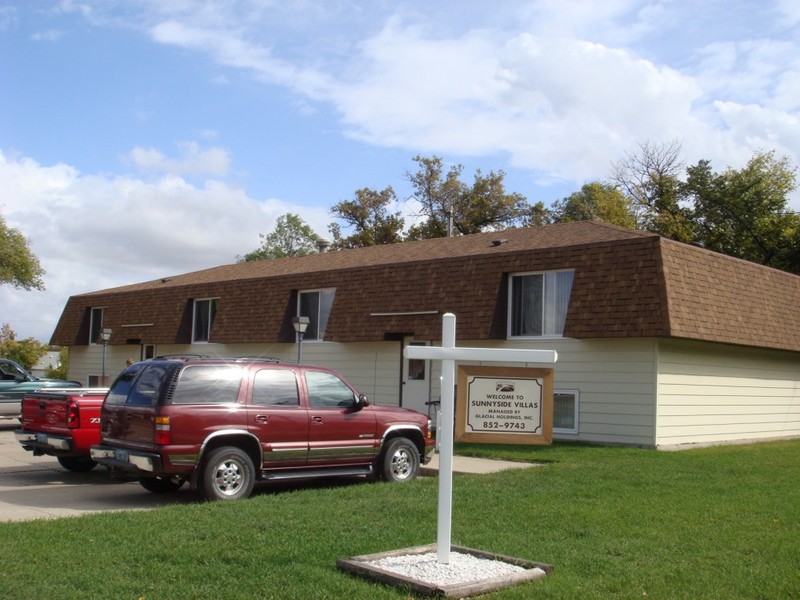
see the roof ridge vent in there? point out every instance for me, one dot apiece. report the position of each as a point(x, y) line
point(323, 245)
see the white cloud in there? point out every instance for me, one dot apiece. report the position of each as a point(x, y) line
point(559, 88)
point(92, 232)
point(193, 160)
point(49, 35)
point(8, 18)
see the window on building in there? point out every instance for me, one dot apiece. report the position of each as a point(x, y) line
point(565, 411)
point(204, 312)
point(538, 303)
point(316, 305)
point(95, 325)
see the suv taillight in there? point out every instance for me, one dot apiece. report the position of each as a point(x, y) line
point(73, 415)
point(163, 435)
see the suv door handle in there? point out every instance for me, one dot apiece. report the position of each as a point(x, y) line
point(316, 419)
point(261, 418)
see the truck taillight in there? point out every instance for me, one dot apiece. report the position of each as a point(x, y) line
point(163, 435)
point(73, 415)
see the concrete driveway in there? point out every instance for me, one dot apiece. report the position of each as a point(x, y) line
point(37, 487)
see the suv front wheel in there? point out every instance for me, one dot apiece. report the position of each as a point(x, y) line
point(228, 474)
point(400, 461)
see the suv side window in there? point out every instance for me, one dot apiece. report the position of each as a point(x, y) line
point(275, 387)
point(208, 384)
point(327, 390)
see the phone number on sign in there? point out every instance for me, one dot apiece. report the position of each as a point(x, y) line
point(506, 425)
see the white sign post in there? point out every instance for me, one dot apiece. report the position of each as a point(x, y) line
point(449, 354)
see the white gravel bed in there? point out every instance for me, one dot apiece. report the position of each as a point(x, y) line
point(462, 568)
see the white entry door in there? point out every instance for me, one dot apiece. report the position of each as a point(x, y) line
point(416, 381)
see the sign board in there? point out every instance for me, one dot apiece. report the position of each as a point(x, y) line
point(504, 405)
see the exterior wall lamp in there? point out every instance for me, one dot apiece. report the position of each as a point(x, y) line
point(105, 335)
point(300, 325)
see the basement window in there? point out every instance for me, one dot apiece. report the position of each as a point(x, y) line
point(565, 411)
point(538, 303)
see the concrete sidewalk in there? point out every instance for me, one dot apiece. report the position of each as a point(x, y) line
point(470, 465)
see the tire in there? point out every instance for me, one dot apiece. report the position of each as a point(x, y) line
point(228, 474)
point(77, 464)
point(161, 485)
point(400, 461)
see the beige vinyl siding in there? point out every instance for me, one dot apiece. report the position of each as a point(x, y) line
point(617, 382)
point(615, 378)
point(88, 360)
point(711, 393)
point(373, 368)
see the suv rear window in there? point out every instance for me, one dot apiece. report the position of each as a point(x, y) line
point(139, 384)
point(208, 384)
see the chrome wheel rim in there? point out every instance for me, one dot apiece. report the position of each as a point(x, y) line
point(229, 477)
point(401, 464)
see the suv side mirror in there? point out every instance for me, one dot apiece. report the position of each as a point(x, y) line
point(361, 401)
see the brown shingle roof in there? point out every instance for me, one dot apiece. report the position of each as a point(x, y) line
point(627, 284)
point(718, 298)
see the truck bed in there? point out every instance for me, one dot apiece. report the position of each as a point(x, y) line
point(63, 423)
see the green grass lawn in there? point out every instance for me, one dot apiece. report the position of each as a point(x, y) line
point(719, 522)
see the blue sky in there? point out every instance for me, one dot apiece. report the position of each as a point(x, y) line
point(145, 138)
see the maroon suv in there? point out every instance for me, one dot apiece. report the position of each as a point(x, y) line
point(223, 424)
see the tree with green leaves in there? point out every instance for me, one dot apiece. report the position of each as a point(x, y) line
point(369, 218)
point(18, 265)
point(25, 353)
point(744, 213)
point(450, 206)
point(595, 202)
point(739, 212)
point(61, 368)
point(291, 237)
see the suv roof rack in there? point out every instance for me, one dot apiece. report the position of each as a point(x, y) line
point(269, 359)
point(181, 356)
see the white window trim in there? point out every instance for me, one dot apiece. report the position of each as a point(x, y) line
point(577, 395)
point(510, 307)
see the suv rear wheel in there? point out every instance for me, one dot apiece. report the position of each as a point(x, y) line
point(400, 461)
point(228, 474)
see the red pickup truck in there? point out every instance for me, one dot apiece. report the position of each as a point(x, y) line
point(64, 423)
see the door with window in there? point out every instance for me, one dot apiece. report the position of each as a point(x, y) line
point(276, 417)
point(416, 381)
point(338, 432)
